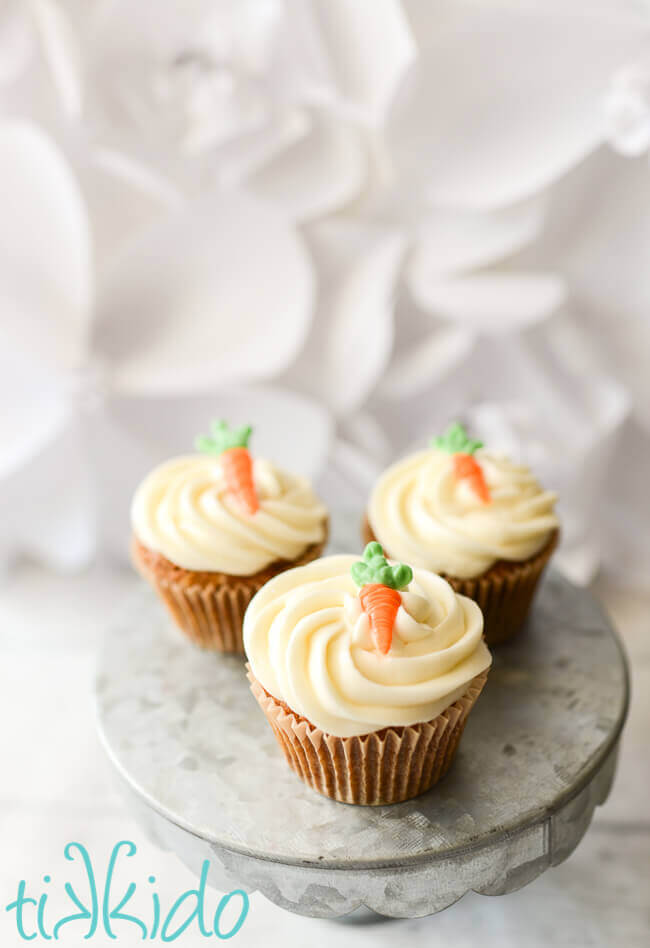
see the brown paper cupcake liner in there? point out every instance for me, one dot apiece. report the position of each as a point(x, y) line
point(387, 766)
point(209, 607)
point(505, 592)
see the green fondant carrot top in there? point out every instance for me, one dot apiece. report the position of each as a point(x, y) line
point(231, 447)
point(223, 438)
point(374, 568)
point(455, 440)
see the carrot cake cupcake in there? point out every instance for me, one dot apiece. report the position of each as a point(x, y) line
point(209, 529)
point(366, 671)
point(476, 518)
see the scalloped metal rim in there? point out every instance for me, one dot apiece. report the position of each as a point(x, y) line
point(411, 890)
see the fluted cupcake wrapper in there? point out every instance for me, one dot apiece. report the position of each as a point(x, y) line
point(504, 593)
point(505, 598)
point(383, 767)
point(209, 608)
point(211, 616)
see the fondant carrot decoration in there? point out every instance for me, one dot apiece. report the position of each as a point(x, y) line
point(466, 466)
point(456, 441)
point(379, 594)
point(231, 447)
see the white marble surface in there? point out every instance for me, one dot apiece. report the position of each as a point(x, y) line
point(55, 786)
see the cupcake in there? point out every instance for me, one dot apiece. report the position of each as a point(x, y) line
point(366, 672)
point(476, 518)
point(209, 529)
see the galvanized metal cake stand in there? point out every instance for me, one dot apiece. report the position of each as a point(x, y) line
point(208, 781)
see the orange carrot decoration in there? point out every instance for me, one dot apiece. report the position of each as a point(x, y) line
point(379, 594)
point(381, 604)
point(231, 446)
point(466, 466)
point(455, 441)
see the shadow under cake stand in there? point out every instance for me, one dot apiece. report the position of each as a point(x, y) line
point(208, 781)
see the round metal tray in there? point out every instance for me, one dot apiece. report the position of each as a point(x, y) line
point(208, 780)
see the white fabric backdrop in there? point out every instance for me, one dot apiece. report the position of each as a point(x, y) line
point(345, 222)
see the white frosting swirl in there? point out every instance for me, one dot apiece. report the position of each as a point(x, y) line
point(423, 514)
point(309, 644)
point(183, 510)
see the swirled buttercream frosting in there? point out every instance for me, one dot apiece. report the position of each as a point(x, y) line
point(423, 513)
point(184, 510)
point(309, 645)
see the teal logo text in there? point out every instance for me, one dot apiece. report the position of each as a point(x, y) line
point(100, 905)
